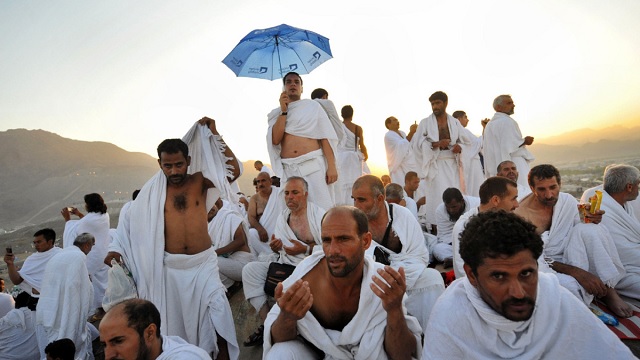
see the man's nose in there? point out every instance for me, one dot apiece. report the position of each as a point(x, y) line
point(516, 289)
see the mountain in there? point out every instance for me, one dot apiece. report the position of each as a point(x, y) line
point(587, 135)
point(43, 172)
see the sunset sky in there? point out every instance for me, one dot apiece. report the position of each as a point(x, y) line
point(136, 72)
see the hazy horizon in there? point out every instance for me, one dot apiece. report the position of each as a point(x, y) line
point(136, 73)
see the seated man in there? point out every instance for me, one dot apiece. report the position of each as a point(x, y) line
point(399, 239)
point(326, 310)
point(228, 231)
point(509, 170)
point(66, 298)
point(296, 234)
point(454, 204)
point(29, 277)
point(394, 194)
point(496, 193)
point(583, 251)
point(264, 209)
point(620, 188)
point(505, 309)
point(131, 330)
point(18, 331)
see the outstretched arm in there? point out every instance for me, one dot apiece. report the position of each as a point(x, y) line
point(294, 304)
point(233, 161)
point(239, 240)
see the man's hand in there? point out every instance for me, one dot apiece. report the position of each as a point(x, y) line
point(65, 214)
point(297, 248)
point(442, 144)
point(295, 302)
point(413, 128)
point(421, 201)
point(113, 255)
point(332, 175)
point(275, 244)
point(593, 218)
point(391, 289)
point(9, 259)
point(456, 149)
point(210, 123)
point(264, 236)
point(528, 140)
point(591, 283)
point(284, 101)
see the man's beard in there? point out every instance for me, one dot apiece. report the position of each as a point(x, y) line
point(513, 301)
point(549, 202)
point(143, 350)
point(176, 179)
point(349, 265)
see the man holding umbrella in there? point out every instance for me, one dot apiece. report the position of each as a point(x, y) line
point(302, 142)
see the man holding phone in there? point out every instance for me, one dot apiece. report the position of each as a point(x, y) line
point(30, 275)
point(302, 142)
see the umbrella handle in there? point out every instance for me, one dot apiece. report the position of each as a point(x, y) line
point(279, 61)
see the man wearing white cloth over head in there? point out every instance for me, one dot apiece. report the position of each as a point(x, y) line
point(437, 148)
point(584, 251)
point(65, 299)
point(505, 309)
point(164, 239)
point(371, 322)
point(131, 330)
point(302, 142)
point(502, 140)
point(620, 188)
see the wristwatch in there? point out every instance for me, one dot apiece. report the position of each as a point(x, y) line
point(283, 113)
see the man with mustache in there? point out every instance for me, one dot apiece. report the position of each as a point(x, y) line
point(164, 239)
point(584, 251)
point(296, 234)
point(505, 309)
point(340, 304)
point(509, 170)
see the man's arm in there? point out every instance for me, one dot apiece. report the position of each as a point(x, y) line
point(277, 133)
point(412, 130)
point(363, 148)
point(332, 171)
point(11, 268)
point(239, 240)
point(294, 304)
point(252, 216)
point(399, 341)
point(228, 153)
point(588, 281)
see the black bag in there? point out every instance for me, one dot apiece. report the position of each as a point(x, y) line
point(277, 273)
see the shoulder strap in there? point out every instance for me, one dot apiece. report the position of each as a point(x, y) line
point(388, 230)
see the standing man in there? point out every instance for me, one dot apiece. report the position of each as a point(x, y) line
point(396, 143)
point(503, 140)
point(302, 142)
point(473, 173)
point(264, 209)
point(371, 322)
point(164, 239)
point(506, 309)
point(437, 148)
point(30, 275)
point(258, 165)
point(352, 156)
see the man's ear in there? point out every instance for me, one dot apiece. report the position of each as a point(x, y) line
point(150, 333)
point(188, 160)
point(472, 277)
point(366, 239)
point(159, 164)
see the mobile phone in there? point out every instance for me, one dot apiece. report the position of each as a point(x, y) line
point(9, 250)
point(70, 209)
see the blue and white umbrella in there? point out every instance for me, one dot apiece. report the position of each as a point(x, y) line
point(272, 53)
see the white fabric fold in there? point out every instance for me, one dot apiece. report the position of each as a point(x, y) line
point(362, 338)
point(65, 302)
point(176, 348)
point(284, 232)
point(32, 270)
point(470, 158)
point(400, 159)
point(18, 335)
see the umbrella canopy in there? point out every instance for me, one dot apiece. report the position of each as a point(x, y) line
point(272, 53)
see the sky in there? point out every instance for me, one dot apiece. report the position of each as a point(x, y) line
point(136, 72)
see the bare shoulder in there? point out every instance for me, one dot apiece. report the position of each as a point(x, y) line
point(314, 276)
